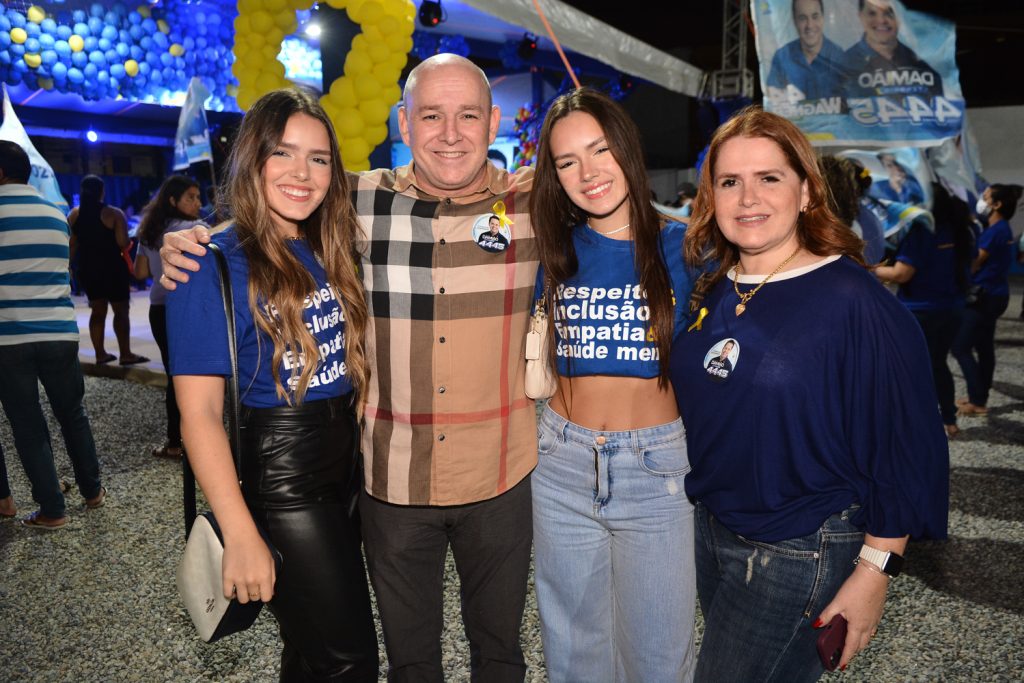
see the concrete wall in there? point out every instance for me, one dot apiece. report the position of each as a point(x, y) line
point(1000, 135)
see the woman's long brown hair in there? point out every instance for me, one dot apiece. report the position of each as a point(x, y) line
point(818, 229)
point(555, 217)
point(278, 282)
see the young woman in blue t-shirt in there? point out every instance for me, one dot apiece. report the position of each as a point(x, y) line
point(300, 315)
point(613, 529)
point(991, 295)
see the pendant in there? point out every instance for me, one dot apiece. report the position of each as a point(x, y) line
point(739, 309)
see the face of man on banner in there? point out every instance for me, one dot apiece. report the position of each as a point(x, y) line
point(881, 27)
point(809, 19)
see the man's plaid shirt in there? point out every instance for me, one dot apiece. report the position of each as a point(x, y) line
point(447, 418)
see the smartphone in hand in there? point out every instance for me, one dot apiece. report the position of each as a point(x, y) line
point(831, 640)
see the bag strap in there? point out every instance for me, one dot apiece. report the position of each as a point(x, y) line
point(233, 396)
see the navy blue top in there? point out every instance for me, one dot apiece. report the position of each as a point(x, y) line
point(198, 338)
point(829, 401)
point(997, 240)
point(602, 314)
point(869, 74)
point(821, 78)
point(933, 257)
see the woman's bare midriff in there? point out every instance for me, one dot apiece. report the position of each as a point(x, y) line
point(614, 404)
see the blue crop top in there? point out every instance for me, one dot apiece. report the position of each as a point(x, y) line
point(601, 322)
point(197, 335)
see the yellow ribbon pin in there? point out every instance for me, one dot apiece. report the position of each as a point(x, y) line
point(701, 314)
point(499, 211)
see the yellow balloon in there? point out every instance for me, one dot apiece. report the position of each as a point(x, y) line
point(374, 111)
point(337, 4)
point(76, 42)
point(143, 10)
point(359, 43)
point(163, 26)
point(33, 60)
point(46, 83)
point(388, 25)
point(367, 86)
point(177, 49)
point(371, 13)
point(267, 81)
point(36, 14)
point(385, 74)
point(276, 5)
point(372, 33)
point(231, 90)
point(357, 62)
point(392, 94)
point(349, 122)
point(376, 134)
point(395, 42)
point(245, 99)
point(255, 41)
point(357, 166)
point(379, 52)
point(354, 149)
point(398, 60)
point(343, 92)
point(286, 21)
point(131, 67)
point(19, 36)
point(248, 6)
point(243, 26)
point(270, 52)
point(261, 21)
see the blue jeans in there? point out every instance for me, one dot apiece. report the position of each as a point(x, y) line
point(613, 553)
point(978, 333)
point(760, 599)
point(55, 364)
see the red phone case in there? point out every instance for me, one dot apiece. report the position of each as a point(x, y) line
point(831, 641)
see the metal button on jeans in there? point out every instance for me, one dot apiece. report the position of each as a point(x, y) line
point(601, 440)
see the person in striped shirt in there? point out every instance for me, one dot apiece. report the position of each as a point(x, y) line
point(39, 343)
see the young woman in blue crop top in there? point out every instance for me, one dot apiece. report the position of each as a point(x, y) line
point(300, 314)
point(613, 529)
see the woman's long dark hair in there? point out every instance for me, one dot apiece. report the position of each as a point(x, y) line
point(278, 282)
point(555, 217)
point(90, 191)
point(160, 210)
point(951, 211)
point(1008, 197)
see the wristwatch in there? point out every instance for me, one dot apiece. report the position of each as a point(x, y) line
point(887, 561)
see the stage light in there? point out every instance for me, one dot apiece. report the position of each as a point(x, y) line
point(313, 30)
point(91, 136)
point(431, 13)
point(527, 47)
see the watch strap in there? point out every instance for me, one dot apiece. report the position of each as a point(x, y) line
point(888, 562)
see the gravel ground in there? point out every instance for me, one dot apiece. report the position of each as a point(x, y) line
point(97, 602)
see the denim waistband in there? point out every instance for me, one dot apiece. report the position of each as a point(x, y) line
point(324, 409)
point(630, 438)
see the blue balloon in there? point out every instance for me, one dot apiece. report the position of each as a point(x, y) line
point(33, 30)
point(136, 33)
point(188, 43)
point(17, 50)
point(5, 23)
point(79, 15)
point(156, 78)
point(5, 39)
point(153, 60)
point(81, 29)
point(137, 53)
point(91, 43)
point(190, 58)
point(17, 18)
point(117, 71)
point(148, 25)
point(80, 59)
point(49, 57)
point(29, 79)
point(213, 18)
point(140, 81)
point(134, 18)
point(180, 75)
point(32, 46)
point(166, 58)
point(95, 25)
point(200, 17)
point(62, 49)
point(145, 68)
point(59, 71)
point(146, 43)
point(104, 44)
point(5, 58)
point(43, 71)
point(96, 57)
point(90, 70)
point(111, 19)
point(122, 50)
point(201, 43)
point(19, 65)
point(64, 32)
point(46, 41)
point(179, 62)
point(109, 32)
point(161, 40)
point(49, 26)
point(112, 56)
point(96, 9)
point(12, 78)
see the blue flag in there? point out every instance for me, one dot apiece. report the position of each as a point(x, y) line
point(42, 178)
point(192, 141)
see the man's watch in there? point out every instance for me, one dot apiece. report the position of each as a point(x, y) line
point(887, 561)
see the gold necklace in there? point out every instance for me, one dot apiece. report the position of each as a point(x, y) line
point(744, 298)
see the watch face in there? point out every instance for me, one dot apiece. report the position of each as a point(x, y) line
point(894, 565)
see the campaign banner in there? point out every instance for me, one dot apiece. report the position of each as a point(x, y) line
point(42, 178)
point(860, 73)
point(192, 139)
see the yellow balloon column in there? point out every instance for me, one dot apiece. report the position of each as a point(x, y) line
point(358, 102)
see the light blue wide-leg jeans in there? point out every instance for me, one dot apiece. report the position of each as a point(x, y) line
point(613, 539)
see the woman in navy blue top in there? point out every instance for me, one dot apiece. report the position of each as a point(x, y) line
point(931, 269)
point(821, 445)
point(990, 295)
point(613, 528)
point(299, 317)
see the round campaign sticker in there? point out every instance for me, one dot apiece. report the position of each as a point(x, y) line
point(721, 359)
point(491, 234)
